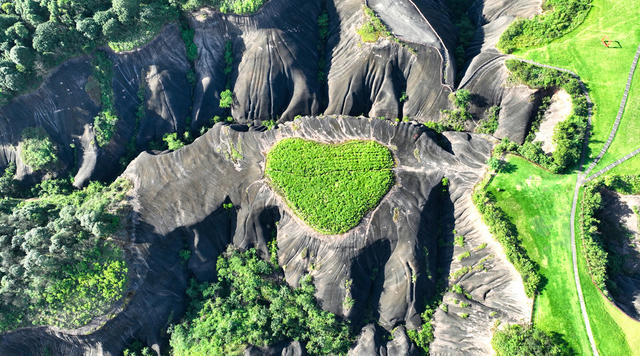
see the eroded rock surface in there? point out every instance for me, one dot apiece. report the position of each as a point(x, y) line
point(275, 75)
point(620, 226)
point(388, 264)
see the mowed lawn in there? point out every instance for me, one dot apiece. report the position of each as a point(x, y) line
point(539, 204)
point(604, 70)
point(627, 138)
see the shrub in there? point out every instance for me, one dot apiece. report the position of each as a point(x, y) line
point(456, 119)
point(226, 99)
point(373, 28)
point(490, 124)
point(459, 14)
point(252, 304)
point(594, 252)
point(173, 142)
point(187, 37)
point(104, 124)
point(8, 185)
point(516, 340)
point(37, 149)
point(561, 17)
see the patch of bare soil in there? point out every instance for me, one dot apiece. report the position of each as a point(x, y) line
point(558, 111)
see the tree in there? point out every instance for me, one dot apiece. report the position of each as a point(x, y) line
point(461, 98)
point(7, 183)
point(251, 304)
point(126, 10)
point(22, 56)
point(49, 38)
point(89, 28)
point(11, 79)
point(111, 28)
point(495, 164)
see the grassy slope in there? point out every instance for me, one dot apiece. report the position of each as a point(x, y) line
point(605, 72)
point(539, 203)
point(603, 69)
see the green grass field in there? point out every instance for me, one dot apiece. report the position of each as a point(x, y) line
point(539, 204)
point(627, 138)
point(330, 187)
point(604, 70)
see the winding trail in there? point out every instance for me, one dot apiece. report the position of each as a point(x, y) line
point(583, 177)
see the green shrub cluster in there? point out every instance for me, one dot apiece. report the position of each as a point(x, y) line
point(226, 96)
point(251, 304)
point(560, 17)
point(104, 124)
point(455, 120)
point(35, 35)
point(137, 348)
point(594, 245)
point(490, 124)
point(187, 35)
point(568, 135)
point(459, 13)
point(226, 99)
point(56, 265)
point(623, 184)
point(517, 340)
point(594, 252)
point(37, 150)
point(373, 28)
point(173, 141)
point(331, 187)
point(240, 7)
point(505, 232)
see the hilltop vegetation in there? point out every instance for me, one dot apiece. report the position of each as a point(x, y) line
point(251, 304)
point(331, 187)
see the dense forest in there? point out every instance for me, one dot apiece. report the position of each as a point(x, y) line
point(59, 263)
point(35, 35)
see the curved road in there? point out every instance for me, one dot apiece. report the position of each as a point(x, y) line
point(582, 177)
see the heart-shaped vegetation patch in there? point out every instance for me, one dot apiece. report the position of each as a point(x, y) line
point(330, 186)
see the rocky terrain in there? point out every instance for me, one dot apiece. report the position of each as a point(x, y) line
point(620, 226)
point(275, 76)
point(388, 264)
point(178, 200)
